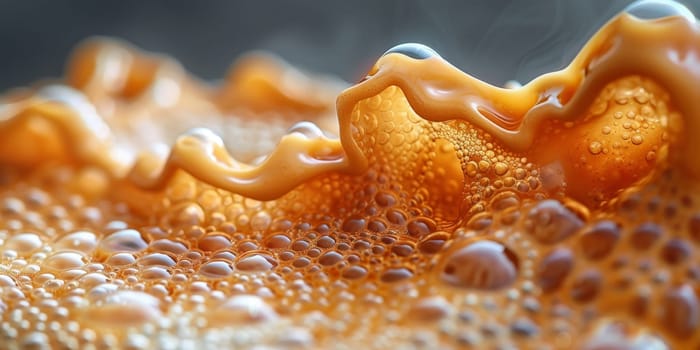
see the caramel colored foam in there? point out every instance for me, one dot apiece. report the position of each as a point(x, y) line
point(141, 208)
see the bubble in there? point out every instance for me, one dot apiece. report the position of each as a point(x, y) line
point(396, 217)
point(156, 259)
point(675, 251)
point(255, 262)
point(554, 268)
point(122, 241)
point(168, 246)
point(242, 310)
point(645, 235)
point(500, 168)
point(398, 274)
point(600, 239)
point(429, 309)
point(524, 327)
point(155, 273)
point(504, 200)
point(413, 50)
point(91, 280)
point(65, 260)
point(354, 272)
point(296, 338)
point(301, 262)
point(121, 259)
point(260, 221)
point(35, 341)
point(187, 215)
point(609, 334)
point(354, 224)
point(637, 139)
point(549, 221)
point(482, 264)
point(216, 269)
point(325, 242)
point(13, 206)
point(330, 258)
point(213, 242)
point(595, 147)
point(650, 156)
point(377, 225)
point(82, 241)
point(657, 9)
point(402, 249)
point(23, 243)
point(124, 309)
point(586, 286)
point(420, 227)
point(681, 311)
point(278, 241)
point(384, 199)
point(6, 281)
point(433, 243)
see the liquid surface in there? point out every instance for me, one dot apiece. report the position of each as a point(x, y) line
point(419, 208)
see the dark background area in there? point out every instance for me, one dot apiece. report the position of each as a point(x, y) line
point(495, 40)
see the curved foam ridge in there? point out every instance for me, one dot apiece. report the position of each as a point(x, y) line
point(623, 47)
point(203, 155)
point(303, 152)
point(420, 208)
point(664, 50)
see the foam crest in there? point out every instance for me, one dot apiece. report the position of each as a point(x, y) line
point(662, 50)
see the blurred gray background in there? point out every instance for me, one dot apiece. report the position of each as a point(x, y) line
point(495, 40)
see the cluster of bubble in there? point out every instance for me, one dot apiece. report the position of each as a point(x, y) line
point(447, 240)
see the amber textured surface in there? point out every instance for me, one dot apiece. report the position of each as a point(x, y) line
point(142, 208)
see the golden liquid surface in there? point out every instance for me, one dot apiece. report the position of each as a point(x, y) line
point(141, 208)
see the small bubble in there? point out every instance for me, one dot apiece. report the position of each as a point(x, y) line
point(156, 259)
point(433, 243)
point(483, 264)
point(216, 269)
point(82, 241)
point(550, 222)
point(500, 168)
point(23, 244)
point(675, 251)
point(681, 311)
point(123, 241)
point(330, 258)
point(278, 241)
point(656, 9)
point(392, 275)
point(599, 240)
point(66, 260)
point(420, 227)
point(554, 268)
point(242, 309)
point(354, 224)
point(255, 262)
point(650, 156)
point(595, 147)
point(586, 286)
point(637, 139)
point(645, 235)
point(214, 241)
point(354, 272)
point(125, 309)
point(429, 309)
point(413, 50)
